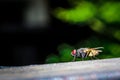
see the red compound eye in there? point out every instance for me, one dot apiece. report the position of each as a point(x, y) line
point(73, 52)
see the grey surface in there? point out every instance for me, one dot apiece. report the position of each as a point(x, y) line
point(81, 70)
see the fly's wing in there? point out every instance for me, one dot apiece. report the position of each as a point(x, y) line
point(99, 48)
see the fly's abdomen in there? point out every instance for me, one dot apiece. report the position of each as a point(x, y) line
point(93, 53)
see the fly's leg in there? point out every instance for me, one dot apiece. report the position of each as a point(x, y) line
point(74, 58)
point(82, 59)
point(91, 57)
point(95, 57)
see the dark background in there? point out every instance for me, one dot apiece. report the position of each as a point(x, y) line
point(24, 46)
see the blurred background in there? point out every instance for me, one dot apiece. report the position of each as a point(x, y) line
point(45, 31)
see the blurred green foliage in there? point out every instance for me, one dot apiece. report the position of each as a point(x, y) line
point(85, 11)
point(96, 15)
point(99, 16)
point(64, 54)
point(109, 11)
point(82, 12)
point(52, 58)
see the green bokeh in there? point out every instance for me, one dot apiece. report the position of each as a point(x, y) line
point(65, 52)
point(109, 11)
point(82, 12)
point(97, 26)
point(117, 34)
point(52, 58)
point(85, 11)
point(114, 49)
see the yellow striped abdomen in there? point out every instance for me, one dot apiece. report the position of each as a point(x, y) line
point(92, 52)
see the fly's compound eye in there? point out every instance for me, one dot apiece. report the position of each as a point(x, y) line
point(73, 52)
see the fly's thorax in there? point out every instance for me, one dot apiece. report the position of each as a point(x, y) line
point(81, 50)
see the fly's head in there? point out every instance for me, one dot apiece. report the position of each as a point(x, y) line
point(73, 52)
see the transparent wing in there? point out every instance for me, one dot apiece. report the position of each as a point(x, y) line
point(99, 48)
